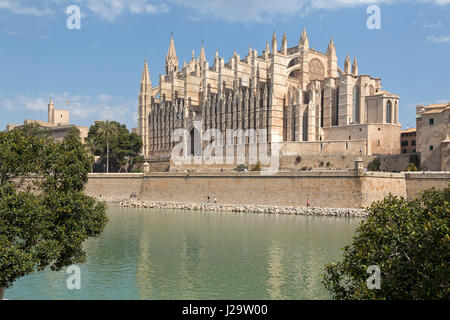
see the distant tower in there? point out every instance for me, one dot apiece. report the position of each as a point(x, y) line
point(145, 96)
point(51, 108)
point(171, 58)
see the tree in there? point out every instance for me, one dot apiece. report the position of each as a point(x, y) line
point(89, 145)
point(124, 148)
point(73, 132)
point(44, 215)
point(408, 241)
point(108, 129)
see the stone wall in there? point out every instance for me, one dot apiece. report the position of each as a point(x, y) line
point(418, 181)
point(113, 185)
point(321, 189)
point(325, 189)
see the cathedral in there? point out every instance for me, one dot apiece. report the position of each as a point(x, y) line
point(303, 99)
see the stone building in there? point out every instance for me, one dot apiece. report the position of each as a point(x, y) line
point(301, 96)
point(58, 123)
point(433, 136)
point(408, 140)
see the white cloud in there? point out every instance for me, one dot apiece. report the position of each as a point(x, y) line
point(265, 10)
point(231, 10)
point(110, 9)
point(18, 7)
point(439, 39)
point(432, 25)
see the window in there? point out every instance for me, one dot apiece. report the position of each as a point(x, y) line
point(413, 143)
point(431, 121)
point(404, 151)
point(388, 111)
point(355, 115)
point(404, 143)
point(431, 148)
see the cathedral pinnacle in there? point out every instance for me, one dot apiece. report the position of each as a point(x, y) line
point(304, 41)
point(347, 64)
point(355, 67)
point(202, 54)
point(171, 58)
point(274, 42)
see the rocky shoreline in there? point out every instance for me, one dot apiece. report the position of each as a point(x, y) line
point(310, 211)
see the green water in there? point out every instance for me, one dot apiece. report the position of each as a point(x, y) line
point(156, 254)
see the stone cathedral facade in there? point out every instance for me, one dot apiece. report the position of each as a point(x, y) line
point(302, 97)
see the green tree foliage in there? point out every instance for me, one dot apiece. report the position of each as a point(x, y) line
point(408, 241)
point(73, 133)
point(35, 130)
point(374, 165)
point(124, 147)
point(45, 227)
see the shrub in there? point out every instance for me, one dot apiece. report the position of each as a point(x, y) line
point(408, 241)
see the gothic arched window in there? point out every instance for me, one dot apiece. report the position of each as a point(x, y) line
point(388, 112)
point(356, 106)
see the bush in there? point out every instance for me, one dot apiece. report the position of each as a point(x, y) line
point(328, 164)
point(412, 167)
point(408, 241)
point(304, 168)
point(240, 168)
point(257, 166)
point(374, 165)
point(321, 164)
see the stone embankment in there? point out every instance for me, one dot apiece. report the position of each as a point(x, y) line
point(337, 212)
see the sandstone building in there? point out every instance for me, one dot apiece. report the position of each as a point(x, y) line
point(58, 123)
point(302, 97)
point(408, 140)
point(433, 136)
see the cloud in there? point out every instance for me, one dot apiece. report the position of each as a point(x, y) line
point(432, 25)
point(266, 10)
point(18, 7)
point(110, 9)
point(440, 39)
point(82, 107)
point(231, 10)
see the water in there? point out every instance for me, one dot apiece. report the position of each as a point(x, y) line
point(157, 254)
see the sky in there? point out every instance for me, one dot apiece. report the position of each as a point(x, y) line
point(97, 68)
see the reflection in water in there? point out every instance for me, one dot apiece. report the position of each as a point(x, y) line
point(156, 254)
point(275, 280)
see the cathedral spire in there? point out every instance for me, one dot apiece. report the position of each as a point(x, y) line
point(304, 41)
point(202, 55)
point(171, 58)
point(355, 67)
point(145, 79)
point(274, 43)
point(347, 65)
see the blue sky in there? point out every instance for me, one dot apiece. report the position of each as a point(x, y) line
point(98, 67)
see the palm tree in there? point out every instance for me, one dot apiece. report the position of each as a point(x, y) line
point(107, 129)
